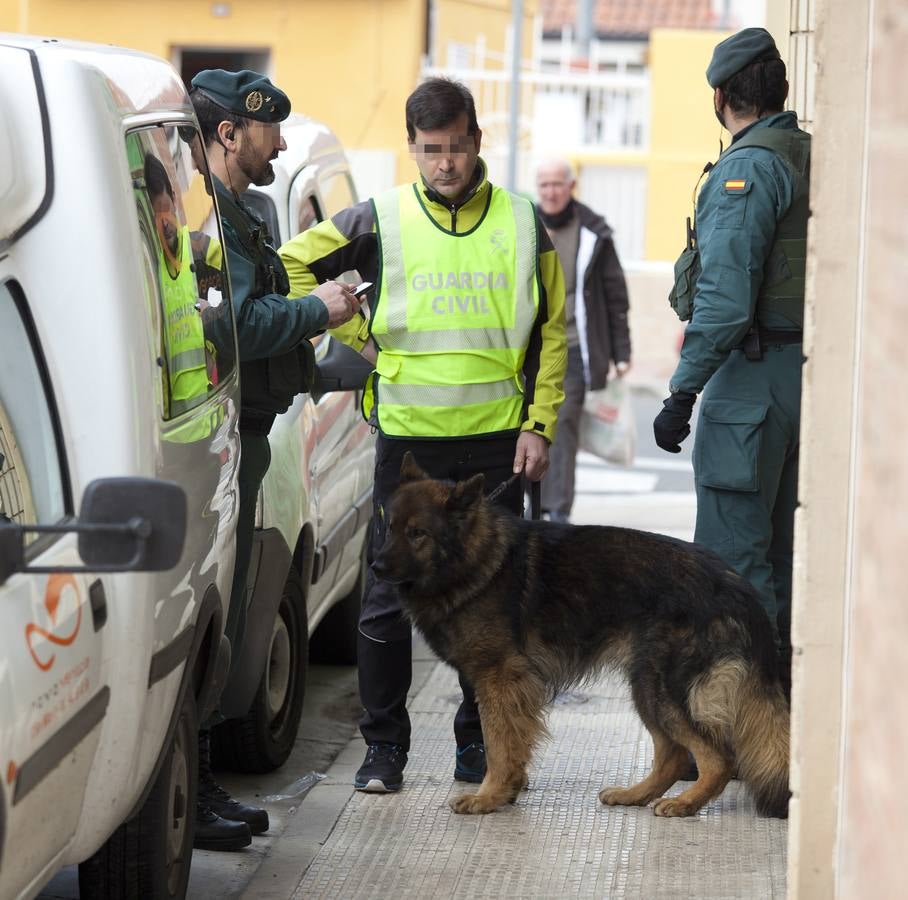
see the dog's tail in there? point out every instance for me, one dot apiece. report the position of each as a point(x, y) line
point(740, 707)
point(761, 741)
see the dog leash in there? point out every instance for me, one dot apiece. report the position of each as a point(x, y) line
point(535, 494)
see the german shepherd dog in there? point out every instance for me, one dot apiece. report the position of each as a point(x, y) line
point(528, 609)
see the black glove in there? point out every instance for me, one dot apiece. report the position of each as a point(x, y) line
point(672, 426)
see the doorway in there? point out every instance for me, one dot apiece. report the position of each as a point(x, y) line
point(189, 61)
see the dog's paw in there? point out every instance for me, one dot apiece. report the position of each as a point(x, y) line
point(472, 804)
point(616, 796)
point(674, 806)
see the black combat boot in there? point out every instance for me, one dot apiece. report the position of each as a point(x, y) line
point(214, 833)
point(212, 795)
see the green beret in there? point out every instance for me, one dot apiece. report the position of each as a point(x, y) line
point(244, 93)
point(738, 51)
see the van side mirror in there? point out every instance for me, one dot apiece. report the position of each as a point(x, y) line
point(125, 525)
point(135, 524)
point(341, 369)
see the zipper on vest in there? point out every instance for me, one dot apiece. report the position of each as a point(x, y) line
point(453, 218)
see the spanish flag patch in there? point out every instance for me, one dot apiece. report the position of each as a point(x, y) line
point(735, 185)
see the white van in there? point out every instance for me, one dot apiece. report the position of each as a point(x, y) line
point(116, 390)
point(308, 564)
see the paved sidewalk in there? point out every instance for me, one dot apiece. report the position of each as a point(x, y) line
point(557, 840)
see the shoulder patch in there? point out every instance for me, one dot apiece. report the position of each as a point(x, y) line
point(735, 184)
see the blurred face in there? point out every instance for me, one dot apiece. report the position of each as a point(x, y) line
point(446, 157)
point(165, 219)
point(553, 187)
point(258, 144)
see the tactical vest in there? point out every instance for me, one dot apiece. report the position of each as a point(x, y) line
point(267, 385)
point(780, 301)
point(184, 333)
point(452, 318)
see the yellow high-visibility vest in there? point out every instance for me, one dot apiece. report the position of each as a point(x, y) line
point(184, 334)
point(452, 318)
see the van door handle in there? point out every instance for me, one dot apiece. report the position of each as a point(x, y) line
point(98, 599)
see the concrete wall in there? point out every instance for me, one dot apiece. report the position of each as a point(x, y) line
point(848, 829)
point(873, 835)
point(822, 536)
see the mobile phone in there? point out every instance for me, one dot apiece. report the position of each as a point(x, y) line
point(362, 288)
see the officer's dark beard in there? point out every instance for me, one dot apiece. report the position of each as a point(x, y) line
point(259, 173)
point(719, 117)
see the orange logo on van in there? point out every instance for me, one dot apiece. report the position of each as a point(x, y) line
point(60, 596)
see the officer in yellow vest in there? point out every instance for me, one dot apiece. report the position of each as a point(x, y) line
point(466, 331)
point(741, 284)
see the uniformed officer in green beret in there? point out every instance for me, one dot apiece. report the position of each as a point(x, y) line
point(240, 114)
point(741, 283)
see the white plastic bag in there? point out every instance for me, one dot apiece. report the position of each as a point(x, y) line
point(607, 427)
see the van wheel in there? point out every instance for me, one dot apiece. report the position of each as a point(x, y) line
point(262, 740)
point(335, 640)
point(150, 855)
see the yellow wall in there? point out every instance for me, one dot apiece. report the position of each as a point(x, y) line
point(10, 16)
point(684, 135)
point(350, 64)
point(462, 20)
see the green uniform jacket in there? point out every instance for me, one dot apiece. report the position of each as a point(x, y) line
point(735, 232)
point(349, 241)
point(268, 324)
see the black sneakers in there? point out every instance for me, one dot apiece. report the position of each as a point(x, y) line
point(382, 771)
point(470, 763)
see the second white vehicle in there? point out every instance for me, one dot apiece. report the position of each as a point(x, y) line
point(308, 563)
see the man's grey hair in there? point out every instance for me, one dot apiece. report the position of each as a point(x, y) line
point(557, 162)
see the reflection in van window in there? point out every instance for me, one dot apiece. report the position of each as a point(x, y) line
point(307, 216)
point(183, 265)
point(31, 485)
point(337, 193)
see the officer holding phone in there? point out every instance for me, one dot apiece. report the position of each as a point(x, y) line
point(239, 114)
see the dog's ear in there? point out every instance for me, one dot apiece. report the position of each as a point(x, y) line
point(410, 471)
point(465, 494)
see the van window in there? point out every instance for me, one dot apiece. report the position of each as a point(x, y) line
point(337, 193)
point(307, 214)
point(183, 264)
point(31, 475)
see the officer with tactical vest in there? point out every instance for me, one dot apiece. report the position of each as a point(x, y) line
point(466, 332)
point(740, 281)
point(239, 114)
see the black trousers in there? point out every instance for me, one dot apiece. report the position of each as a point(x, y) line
point(385, 638)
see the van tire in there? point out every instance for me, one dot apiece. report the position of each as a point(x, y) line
point(150, 855)
point(262, 740)
point(335, 640)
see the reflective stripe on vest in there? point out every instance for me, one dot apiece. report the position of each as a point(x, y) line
point(453, 317)
point(184, 334)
